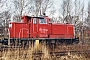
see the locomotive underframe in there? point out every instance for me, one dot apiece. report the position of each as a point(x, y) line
point(49, 41)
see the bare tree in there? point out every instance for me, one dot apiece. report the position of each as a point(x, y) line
point(40, 6)
point(63, 6)
point(74, 13)
point(66, 9)
point(21, 7)
point(88, 18)
point(76, 17)
point(4, 18)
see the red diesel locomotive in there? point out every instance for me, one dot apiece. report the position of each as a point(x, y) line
point(33, 28)
point(40, 28)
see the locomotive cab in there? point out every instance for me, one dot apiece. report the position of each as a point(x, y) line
point(40, 20)
point(40, 27)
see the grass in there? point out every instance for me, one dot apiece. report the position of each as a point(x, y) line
point(28, 54)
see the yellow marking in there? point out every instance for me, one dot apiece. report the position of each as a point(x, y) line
point(37, 44)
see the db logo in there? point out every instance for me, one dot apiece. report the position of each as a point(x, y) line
point(43, 30)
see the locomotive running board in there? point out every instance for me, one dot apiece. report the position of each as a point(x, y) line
point(44, 39)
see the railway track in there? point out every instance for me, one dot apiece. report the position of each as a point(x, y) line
point(61, 48)
point(58, 49)
point(64, 50)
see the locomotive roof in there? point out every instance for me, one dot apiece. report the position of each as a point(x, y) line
point(35, 17)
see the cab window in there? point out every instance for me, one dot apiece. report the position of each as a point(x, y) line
point(42, 21)
point(34, 20)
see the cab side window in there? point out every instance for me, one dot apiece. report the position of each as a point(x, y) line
point(42, 21)
point(35, 21)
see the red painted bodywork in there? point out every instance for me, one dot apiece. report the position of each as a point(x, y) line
point(28, 29)
point(19, 30)
point(62, 31)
